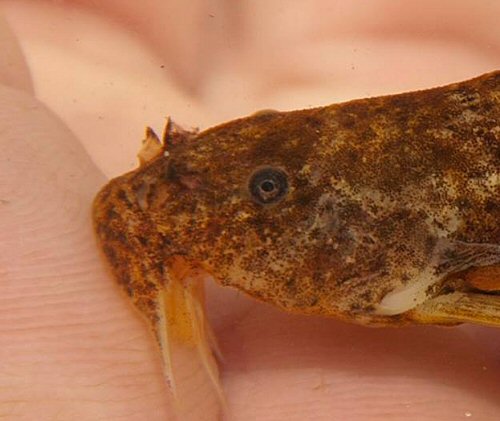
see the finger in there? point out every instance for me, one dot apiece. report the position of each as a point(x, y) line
point(284, 367)
point(70, 347)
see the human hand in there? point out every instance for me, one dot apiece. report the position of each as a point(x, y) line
point(70, 346)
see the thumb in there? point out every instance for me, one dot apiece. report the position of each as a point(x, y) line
point(69, 346)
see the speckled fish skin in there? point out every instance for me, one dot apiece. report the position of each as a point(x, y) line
point(383, 192)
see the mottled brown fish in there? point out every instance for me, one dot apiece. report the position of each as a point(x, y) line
point(378, 211)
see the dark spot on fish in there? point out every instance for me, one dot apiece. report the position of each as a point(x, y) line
point(112, 214)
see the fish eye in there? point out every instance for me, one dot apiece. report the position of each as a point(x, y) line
point(268, 185)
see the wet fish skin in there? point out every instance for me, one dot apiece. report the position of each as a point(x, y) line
point(382, 192)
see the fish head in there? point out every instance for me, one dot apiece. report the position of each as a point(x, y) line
point(253, 204)
point(343, 210)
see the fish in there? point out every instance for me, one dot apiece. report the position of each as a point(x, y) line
point(381, 211)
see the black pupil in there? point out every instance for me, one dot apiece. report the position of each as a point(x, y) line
point(268, 186)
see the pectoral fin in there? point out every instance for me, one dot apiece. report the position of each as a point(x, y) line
point(471, 290)
point(477, 300)
point(187, 344)
point(460, 284)
point(459, 307)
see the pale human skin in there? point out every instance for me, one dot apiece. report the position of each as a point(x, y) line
point(71, 347)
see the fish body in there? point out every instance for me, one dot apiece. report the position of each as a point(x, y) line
point(379, 211)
